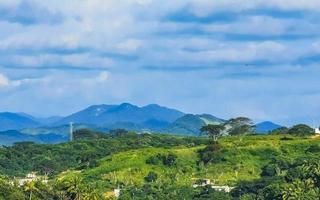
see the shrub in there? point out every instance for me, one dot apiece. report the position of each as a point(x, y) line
point(314, 149)
point(269, 170)
point(211, 154)
point(151, 177)
point(286, 138)
point(279, 131)
point(167, 160)
point(154, 160)
point(170, 160)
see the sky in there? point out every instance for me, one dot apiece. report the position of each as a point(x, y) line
point(229, 58)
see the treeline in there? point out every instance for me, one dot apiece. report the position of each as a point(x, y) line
point(244, 126)
point(84, 152)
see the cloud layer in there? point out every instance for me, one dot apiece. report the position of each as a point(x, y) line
point(253, 58)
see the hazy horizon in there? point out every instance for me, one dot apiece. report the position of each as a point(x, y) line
point(249, 58)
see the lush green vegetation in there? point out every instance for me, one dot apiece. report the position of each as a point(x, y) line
point(160, 167)
point(84, 152)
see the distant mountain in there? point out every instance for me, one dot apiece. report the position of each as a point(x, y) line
point(43, 120)
point(15, 121)
point(266, 126)
point(191, 124)
point(12, 136)
point(62, 130)
point(153, 118)
point(104, 115)
point(49, 120)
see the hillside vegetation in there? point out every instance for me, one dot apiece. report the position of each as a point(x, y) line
point(148, 166)
point(239, 159)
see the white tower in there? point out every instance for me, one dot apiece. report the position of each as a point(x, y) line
point(71, 132)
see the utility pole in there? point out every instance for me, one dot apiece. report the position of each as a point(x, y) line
point(71, 132)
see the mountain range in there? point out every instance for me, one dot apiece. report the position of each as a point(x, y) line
point(150, 118)
point(16, 121)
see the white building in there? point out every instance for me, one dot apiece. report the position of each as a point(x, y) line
point(31, 177)
point(207, 182)
point(226, 189)
point(317, 130)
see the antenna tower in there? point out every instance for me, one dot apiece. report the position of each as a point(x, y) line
point(71, 132)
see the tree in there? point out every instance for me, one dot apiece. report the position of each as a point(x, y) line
point(213, 131)
point(240, 126)
point(75, 186)
point(31, 188)
point(301, 130)
point(92, 193)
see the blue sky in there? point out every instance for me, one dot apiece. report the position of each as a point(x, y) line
point(229, 58)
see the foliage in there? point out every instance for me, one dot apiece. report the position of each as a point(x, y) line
point(151, 177)
point(210, 153)
point(161, 167)
point(21, 158)
point(209, 193)
point(240, 126)
point(280, 131)
point(213, 131)
point(296, 181)
point(167, 160)
point(301, 130)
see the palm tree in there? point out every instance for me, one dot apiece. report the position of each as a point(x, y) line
point(31, 188)
point(74, 185)
point(92, 194)
point(311, 171)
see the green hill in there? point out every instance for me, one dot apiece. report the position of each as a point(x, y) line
point(239, 159)
point(190, 124)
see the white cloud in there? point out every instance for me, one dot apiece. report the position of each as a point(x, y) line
point(103, 76)
point(130, 45)
point(4, 81)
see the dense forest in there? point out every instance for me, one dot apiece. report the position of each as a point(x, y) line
point(282, 165)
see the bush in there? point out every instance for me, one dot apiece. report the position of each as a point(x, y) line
point(314, 149)
point(155, 160)
point(151, 177)
point(269, 170)
point(167, 160)
point(279, 131)
point(286, 138)
point(211, 154)
point(170, 160)
point(209, 193)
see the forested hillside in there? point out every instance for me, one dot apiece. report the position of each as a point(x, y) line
point(159, 167)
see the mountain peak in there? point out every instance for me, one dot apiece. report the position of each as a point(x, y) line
point(10, 120)
point(127, 105)
point(125, 112)
point(266, 126)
